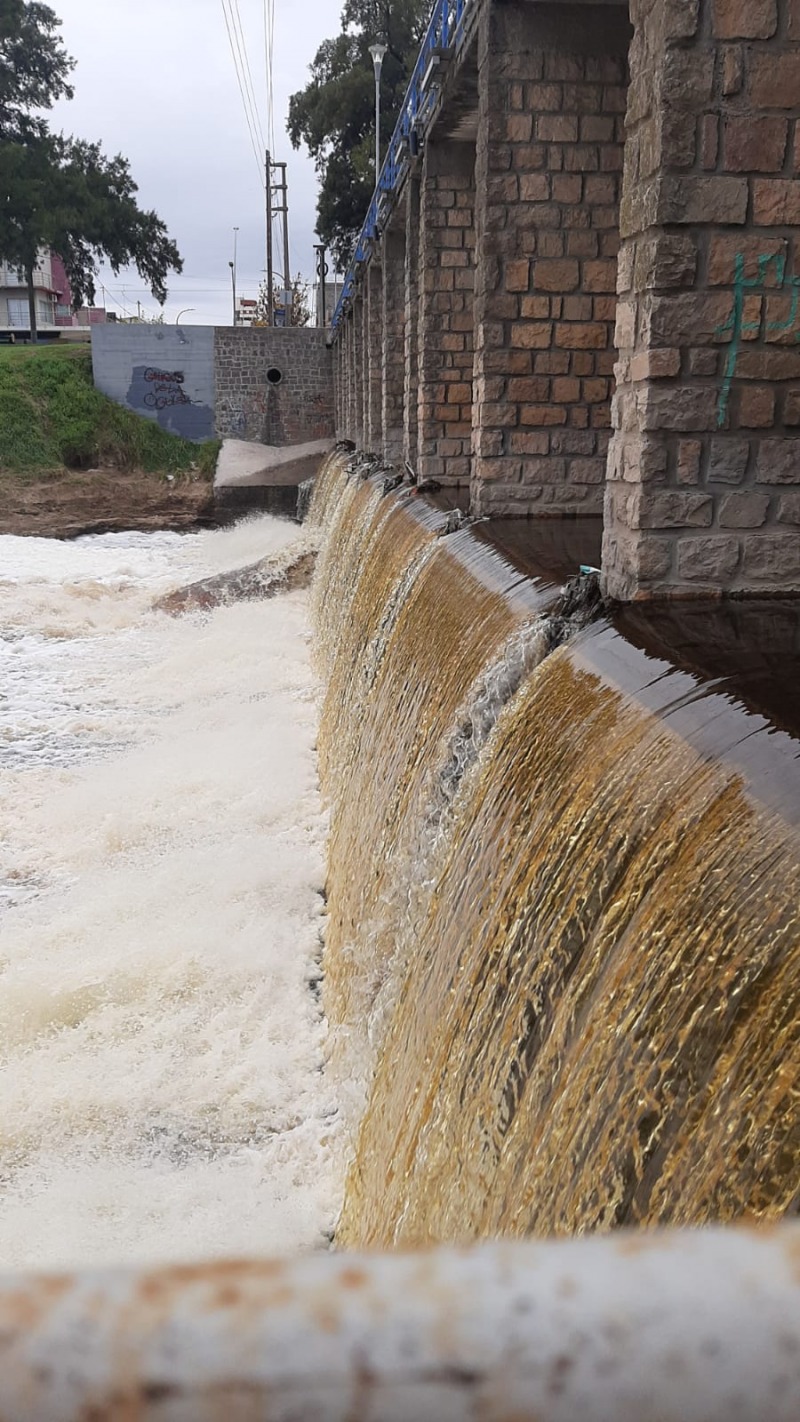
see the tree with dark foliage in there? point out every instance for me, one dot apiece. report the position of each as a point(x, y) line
point(34, 67)
point(59, 192)
point(335, 114)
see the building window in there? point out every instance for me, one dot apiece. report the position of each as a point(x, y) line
point(19, 315)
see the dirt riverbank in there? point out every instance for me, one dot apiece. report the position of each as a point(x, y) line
point(101, 501)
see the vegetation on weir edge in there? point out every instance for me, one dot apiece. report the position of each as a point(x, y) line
point(52, 418)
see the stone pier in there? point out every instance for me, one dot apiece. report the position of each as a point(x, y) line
point(581, 292)
point(550, 152)
point(446, 332)
point(392, 343)
point(411, 316)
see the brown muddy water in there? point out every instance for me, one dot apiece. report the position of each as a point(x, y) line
point(563, 953)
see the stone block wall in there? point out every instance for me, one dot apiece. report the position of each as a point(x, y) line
point(704, 475)
point(446, 337)
point(340, 378)
point(392, 342)
point(346, 345)
point(251, 407)
point(411, 341)
point(601, 299)
point(373, 336)
point(552, 83)
point(362, 356)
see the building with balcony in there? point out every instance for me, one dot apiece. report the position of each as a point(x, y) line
point(14, 312)
point(53, 296)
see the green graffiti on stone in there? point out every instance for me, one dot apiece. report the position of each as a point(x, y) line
point(772, 266)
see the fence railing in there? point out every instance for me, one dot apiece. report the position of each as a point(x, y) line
point(689, 1327)
point(444, 37)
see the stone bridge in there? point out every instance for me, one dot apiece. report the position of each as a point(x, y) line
point(578, 287)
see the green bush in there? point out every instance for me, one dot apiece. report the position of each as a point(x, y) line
point(51, 417)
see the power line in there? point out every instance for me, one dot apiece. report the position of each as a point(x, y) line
point(242, 94)
point(266, 71)
point(250, 118)
point(271, 68)
point(244, 61)
point(243, 66)
point(269, 56)
point(109, 291)
point(213, 290)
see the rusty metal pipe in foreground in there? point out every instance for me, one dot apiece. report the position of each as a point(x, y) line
point(631, 1328)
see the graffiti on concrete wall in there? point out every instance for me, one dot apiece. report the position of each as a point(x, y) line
point(166, 389)
point(161, 393)
point(164, 372)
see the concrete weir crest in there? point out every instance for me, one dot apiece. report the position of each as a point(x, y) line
point(577, 290)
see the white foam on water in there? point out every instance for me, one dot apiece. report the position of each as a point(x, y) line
point(162, 1085)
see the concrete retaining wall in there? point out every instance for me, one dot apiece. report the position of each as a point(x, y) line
point(272, 386)
point(163, 372)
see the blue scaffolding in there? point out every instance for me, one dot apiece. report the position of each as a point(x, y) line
point(444, 37)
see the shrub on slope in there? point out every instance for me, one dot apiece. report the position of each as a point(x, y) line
point(52, 417)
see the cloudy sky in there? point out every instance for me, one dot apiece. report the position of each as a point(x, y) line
point(155, 81)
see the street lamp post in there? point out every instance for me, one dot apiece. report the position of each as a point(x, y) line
point(377, 51)
point(232, 266)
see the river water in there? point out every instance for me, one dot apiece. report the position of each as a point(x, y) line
point(163, 1092)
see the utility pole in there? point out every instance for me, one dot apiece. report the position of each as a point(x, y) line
point(281, 206)
point(270, 311)
point(278, 203)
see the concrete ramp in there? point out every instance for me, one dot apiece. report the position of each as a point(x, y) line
point(263, 476)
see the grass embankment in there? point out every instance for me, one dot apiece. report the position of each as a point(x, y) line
point(71, 459)
point(52, 418)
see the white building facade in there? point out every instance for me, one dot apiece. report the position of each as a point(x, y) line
point(51, 311)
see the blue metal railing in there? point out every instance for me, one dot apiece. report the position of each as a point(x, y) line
point(445, 33)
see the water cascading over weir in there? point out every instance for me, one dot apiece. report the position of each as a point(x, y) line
point(564, 934)
point(562, 956)
point(561, 982)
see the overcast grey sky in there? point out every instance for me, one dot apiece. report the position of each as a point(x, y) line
point(155, 81)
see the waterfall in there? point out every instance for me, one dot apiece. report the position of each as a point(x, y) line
point(563, 948)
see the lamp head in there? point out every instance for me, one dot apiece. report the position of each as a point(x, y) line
point(377, 51)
